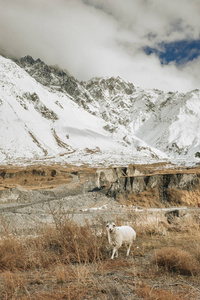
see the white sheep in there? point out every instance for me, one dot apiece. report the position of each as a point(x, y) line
point(120, 235)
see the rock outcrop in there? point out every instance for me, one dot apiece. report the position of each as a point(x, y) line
point(126, 185)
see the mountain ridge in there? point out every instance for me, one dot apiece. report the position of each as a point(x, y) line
point(102, 121)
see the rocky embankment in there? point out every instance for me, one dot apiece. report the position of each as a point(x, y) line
point(137, 185)
point(37, 195)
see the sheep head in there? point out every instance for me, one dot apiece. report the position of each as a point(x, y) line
point(110, 227)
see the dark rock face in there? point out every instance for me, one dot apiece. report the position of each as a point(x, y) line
point(112, 85)
point(40, 107)
point(56, 79)
point(162, 182)
point(41, 72)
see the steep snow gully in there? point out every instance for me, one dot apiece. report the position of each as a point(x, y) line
point(47, 115)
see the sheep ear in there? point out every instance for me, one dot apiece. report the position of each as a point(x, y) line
point(114, 225)
point(107, 225)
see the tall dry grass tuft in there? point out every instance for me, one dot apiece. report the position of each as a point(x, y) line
point(74, 243)
point(14, 286)
point(177, 260)
point(65, 242)
point(12, 254)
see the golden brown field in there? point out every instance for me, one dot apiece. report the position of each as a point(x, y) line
point(68, 261)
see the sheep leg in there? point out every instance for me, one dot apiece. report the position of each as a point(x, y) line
point(115, 250)
point(116, 255)
point(128, 250)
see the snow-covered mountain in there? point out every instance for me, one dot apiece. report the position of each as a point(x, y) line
point(169, 122)
point(47, 115)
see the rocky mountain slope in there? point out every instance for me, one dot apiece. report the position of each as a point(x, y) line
point(166, 121)
point(47, 115)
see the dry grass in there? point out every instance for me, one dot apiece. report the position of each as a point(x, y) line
point(68, 261)
point(147, 198)
point(66, 242)
point(40, 175)
point(151, 198)
point(146, 223)
point(182, 197)
point(197, 253)
point(15, 285)
point(150, 293)
point(12, 252)
point(177, 260)
point(74, 243)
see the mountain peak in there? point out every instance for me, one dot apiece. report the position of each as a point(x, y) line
point(27, 59)
point(54, 116)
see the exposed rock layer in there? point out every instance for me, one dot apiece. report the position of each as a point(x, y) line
point(132, 185)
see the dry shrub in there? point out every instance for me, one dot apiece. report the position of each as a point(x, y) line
point(69, 281)
point(198, 255)
point(151, 229)
point(79, 291)
point(81, 273)
point(24, 253)
point(14, 286)
point(179, 197)
point(36, 254)
point(12, 254)
point(67, 242)
point(61, 274)
point(86, 288)
point(77, 272)
point(111, 290)
point(176, 260)
point(74, 243)
point(147, 292)
point(182, 227)
point(147, 198)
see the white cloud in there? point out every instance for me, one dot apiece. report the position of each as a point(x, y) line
point(103, 37)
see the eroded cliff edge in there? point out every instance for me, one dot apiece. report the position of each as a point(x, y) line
point(147, 186)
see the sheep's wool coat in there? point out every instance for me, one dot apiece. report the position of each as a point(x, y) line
point(122, 234)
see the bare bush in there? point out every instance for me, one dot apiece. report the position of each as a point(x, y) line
point(74, 243)
point(67, 242)
point(176, 260)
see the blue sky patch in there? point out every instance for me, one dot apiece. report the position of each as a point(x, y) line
point(180, 52)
